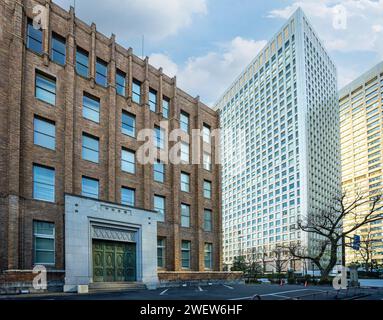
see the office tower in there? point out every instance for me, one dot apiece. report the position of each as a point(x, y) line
point(280, 143)
point(73, 196)
point(361, 149)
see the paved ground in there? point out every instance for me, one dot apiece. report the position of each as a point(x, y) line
point(222, 292)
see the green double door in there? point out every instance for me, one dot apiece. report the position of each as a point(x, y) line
point(114, 261)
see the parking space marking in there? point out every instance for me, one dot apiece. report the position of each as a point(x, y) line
point(163, 292)
point(276, 294)
point(200, 289)
point(243, 298)
point(291, 291)
point(231, 288)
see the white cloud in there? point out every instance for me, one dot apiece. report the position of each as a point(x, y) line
point(346, 74)
point(211, 74)
point(160, 60)
point(360, 22)
point(156, 19)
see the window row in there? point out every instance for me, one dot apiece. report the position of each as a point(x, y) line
point(44, 248)
point(186, 254)
point(44, 190)
point(58, 54)
point(45, 90)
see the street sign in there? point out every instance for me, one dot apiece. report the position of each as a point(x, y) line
point(356, 242)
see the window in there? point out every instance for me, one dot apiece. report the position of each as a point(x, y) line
point(152, 100)
point(207, 189)
point(91, 108)
point(165, 107)
point(120, 83)
point(185, 157)
point(184, 122)
point(161, 247)
point(136, 90)
point(90, 148)
point(207, 161)
point(43, 243)
point(128, 162)
point(90, 187)
point(185, 182)
point(208, 256)
point(82, 62)
point(159, 172)
point(206, 133)
point(128, 124)
point(185, 215)
point(208, 222)
point(101, 72)
point(128, 196)
point(43, 183)
point(44, 133)
point(159, 205)
point(45, 88)
point(58, 49)
point(159, 137)
point(34, 38)
point(185, 254)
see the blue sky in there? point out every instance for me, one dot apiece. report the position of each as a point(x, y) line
point(207, 43)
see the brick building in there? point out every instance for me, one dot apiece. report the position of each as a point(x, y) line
point(72, 102)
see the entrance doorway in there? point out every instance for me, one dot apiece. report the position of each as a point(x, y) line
point(114, 261)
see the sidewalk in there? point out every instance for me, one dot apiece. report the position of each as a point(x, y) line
point(377, 283)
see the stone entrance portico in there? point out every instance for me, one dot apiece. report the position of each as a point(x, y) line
point(130, 235)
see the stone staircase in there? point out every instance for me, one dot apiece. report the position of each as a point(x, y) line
point(116, 286)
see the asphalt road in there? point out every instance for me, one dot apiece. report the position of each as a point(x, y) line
point(222, 292)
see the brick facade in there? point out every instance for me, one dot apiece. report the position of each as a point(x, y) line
point(18, 106)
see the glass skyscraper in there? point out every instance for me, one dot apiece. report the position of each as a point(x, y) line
point(361, 120)
point(280, 143)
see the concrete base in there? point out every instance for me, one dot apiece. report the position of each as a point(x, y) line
point(70, 288)
point(82, 289)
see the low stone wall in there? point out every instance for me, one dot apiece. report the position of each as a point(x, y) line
point(20, 281)
point(179, 278)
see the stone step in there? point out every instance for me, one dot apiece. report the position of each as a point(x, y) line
point(116, 286)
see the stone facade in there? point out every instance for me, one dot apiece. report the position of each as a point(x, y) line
point(18, 153)
point(87, 219)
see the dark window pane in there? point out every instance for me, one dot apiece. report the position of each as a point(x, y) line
point(34, 38)
point(58, 49)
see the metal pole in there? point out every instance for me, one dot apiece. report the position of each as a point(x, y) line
point(343, 251)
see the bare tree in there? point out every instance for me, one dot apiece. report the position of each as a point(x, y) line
point(281, 258)
point(253, 268)
point(366, 250)
point(326, 226)
point(262, 257)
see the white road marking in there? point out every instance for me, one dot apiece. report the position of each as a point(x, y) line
point(231, 288)
point(243, 298)
point(163, 292)
point(200, 289)
point(281, 293)
point(276, 294)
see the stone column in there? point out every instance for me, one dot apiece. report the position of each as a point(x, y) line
point(112, 123)
point(159, 93)
point(15, 76)
point(199, 202)
point(46, 34)
point(70, 102)
point(217, 203)
point(175, 176)
point(92, 55)
point(129, 84)
point(147, 169)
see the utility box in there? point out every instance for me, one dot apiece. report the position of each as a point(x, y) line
point(354, 280)
point(82, 289)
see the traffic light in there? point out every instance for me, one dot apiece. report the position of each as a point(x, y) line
point(356, 242)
